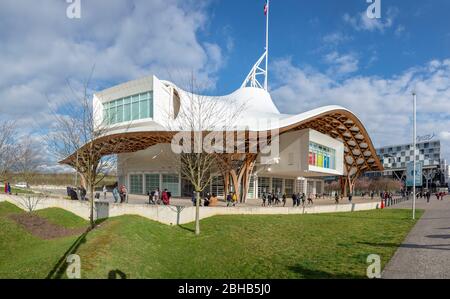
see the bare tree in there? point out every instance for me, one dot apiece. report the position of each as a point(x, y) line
point(27, 160)
point(8, 148)
point(73, 139)
point(201, 116)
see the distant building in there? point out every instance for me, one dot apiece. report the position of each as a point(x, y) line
point(395, 159)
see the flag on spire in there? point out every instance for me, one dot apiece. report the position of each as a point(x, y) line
point(266, 8)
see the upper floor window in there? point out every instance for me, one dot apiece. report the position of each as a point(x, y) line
point(321, 156)
point(139, 106)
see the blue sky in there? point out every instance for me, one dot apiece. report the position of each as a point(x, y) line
point(321, 53)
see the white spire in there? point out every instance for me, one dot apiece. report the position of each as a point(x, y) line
point(259, 69)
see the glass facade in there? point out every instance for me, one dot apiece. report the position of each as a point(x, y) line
point(171, 182)
point(136, 184)
point(131, 108)
point(263, 185)
point(217, 186)
point(151, 182)
point(289, 187)
point(277, 185)
point(321, 156)
point(251, 188)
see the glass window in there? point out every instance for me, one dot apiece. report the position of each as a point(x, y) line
point(217, 186)
point(277, 185)
point(289, 187)
point(135, 110)
point(263, 186)
point(171, 182)
point(136, 107)
point(144, 111)
point(136, 184)
point(321, 156)
point(151, 182)
point(251, 188)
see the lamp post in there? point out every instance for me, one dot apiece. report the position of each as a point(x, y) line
point(414, 157)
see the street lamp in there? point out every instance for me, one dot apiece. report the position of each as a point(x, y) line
point(414, 157)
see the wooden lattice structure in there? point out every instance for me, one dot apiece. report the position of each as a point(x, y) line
point(340, 124)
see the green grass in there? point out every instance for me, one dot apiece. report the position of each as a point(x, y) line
point(24, 256)
point(292, 246)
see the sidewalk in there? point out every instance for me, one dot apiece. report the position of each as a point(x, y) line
point(426, 251)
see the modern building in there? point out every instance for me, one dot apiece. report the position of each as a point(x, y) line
point(328, 141)
point(396, 157)
point(303, 148)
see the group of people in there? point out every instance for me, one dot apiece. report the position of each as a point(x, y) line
point(120, 193)
point(7, 188)
point(275, 198)
point(209, 200)
point(155, 197)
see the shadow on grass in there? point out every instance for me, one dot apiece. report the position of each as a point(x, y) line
point(187, 228)
point(308, 273)
point(60, 267)
point(116, 274)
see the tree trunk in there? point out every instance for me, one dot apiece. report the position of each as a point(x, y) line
point(197, 214)
point(91, 203)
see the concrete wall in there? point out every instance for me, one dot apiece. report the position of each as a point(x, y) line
point(171, 215)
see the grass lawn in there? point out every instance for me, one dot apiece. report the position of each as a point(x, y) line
point(293, 246)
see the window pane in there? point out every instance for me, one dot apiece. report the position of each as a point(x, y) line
point(119, 114)
point(127, 112)
point(144, 113)
point(112, 115)
point(151, 104)
point(135, 111)
point(151, 182)
point(136, 184)
point(171, 183)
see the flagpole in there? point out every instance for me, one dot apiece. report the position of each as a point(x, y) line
point(267, 46)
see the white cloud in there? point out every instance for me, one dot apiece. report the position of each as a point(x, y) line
point(42, 48)
point(341, 64)
point(361, 22)
point(383, 104)
point(335, 38)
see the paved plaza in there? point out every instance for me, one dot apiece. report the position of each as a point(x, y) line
point(425, 253)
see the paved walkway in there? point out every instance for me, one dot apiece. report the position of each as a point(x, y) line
point(425, 253)
point(143, 199)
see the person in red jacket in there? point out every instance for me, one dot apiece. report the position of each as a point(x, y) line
point(165, 197)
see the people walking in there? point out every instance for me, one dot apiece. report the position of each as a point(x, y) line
point(294, 200)
point(264, 198)
point(165, 197)
point(105, 190)
point(350, 197)
point(194, 199)
point(229, 199)
point(284, 199)
point(115, 193)
point(269, 199)
point(156, 197)
point(310, 200)
point(234, 198)
point(428, 194)
point(303, 199)
point(336, 198)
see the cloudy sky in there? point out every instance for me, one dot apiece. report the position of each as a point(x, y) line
point(322, 52)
